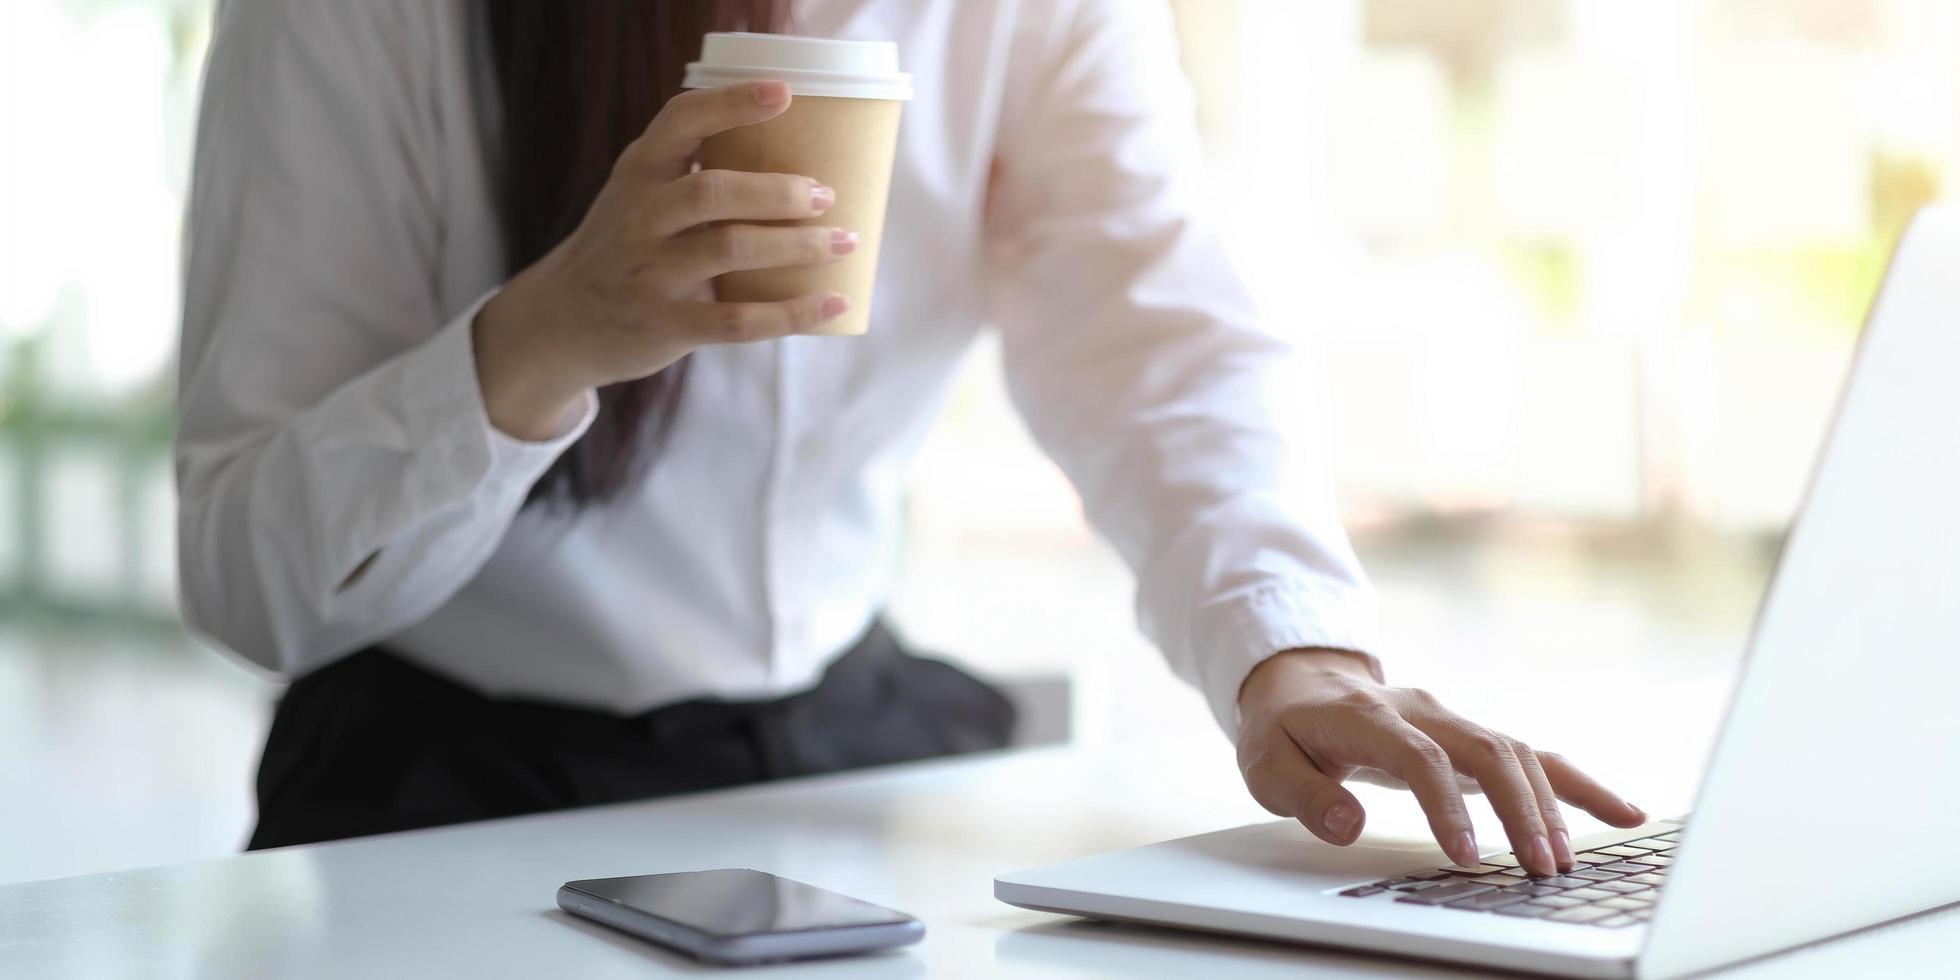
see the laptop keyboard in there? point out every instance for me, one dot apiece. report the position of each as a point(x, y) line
point(1611, 887)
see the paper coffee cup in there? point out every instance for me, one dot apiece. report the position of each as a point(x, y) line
point(841, 128)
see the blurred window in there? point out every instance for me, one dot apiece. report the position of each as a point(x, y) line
point(1600, 261)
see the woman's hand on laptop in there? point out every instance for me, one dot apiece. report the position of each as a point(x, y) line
point(1312, 718)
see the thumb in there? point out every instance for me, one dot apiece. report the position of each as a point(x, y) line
point(1284, 782)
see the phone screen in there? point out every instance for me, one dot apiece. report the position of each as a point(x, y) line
point(737, 902)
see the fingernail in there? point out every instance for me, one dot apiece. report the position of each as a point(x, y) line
point(1341, 821)
point(821, 197)
point(770, 93)
point(1562, 847)
point(1541, 854)
point(835, 306)
point(1465, 851)
point(843, 242)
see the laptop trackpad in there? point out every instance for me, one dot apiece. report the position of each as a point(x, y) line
point(1261, 866)
point(1285, 849)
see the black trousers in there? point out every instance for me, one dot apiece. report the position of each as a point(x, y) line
point(373, 743)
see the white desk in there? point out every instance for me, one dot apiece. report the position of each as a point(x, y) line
point(928, 838)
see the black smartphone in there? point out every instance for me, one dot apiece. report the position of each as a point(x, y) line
point(736, 915)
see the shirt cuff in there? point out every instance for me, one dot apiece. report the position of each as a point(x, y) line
point(1234, 635)
point(483, 457)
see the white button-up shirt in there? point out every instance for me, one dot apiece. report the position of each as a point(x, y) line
point(343, 233)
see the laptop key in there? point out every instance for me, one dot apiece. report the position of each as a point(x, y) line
point(1596, 874)
point(1525, 910)
point(1515, 872)
point(1533, 891)
point(1588, 894)
point(1444, 893)
point(1363, 891)
point(1474, 871)
point(1581, 914)
point(1648, 879)
point(1487, 902)
point(1495, 880)
point(1626, 867)
point(1622, 886)
point(1622, 903)
point(1558, 902)
point(1411, 886)
point(1621, 850)
point(1502, 860)
point(1430, 875)
point(1618, 922)
point(1657, 860)
point(1670, 836)
point(1562, 881)
point(1600, 857)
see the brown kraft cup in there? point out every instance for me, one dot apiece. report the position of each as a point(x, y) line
point(845, 141)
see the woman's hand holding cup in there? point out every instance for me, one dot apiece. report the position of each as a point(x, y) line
point(630, 291)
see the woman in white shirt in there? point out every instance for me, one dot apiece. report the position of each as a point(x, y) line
point(468, 449)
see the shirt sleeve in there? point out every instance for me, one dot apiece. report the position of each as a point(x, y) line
point(1141, 366)
point(338, 478)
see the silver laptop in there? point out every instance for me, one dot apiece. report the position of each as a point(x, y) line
point(1831, 800)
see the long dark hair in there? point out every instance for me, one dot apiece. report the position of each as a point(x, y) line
point(579, 80)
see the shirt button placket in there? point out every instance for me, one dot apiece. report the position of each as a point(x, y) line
point(775, 520)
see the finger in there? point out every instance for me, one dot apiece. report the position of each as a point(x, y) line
point(1487, 756)
point(1587, 794)
point(1391, 744)
point(671, 140)
point(710, 252)
point(732, 195)
point(1548, 809)
point(740, 323)
point(1285, 783)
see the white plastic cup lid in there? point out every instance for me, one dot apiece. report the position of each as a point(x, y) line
point(811, 65)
